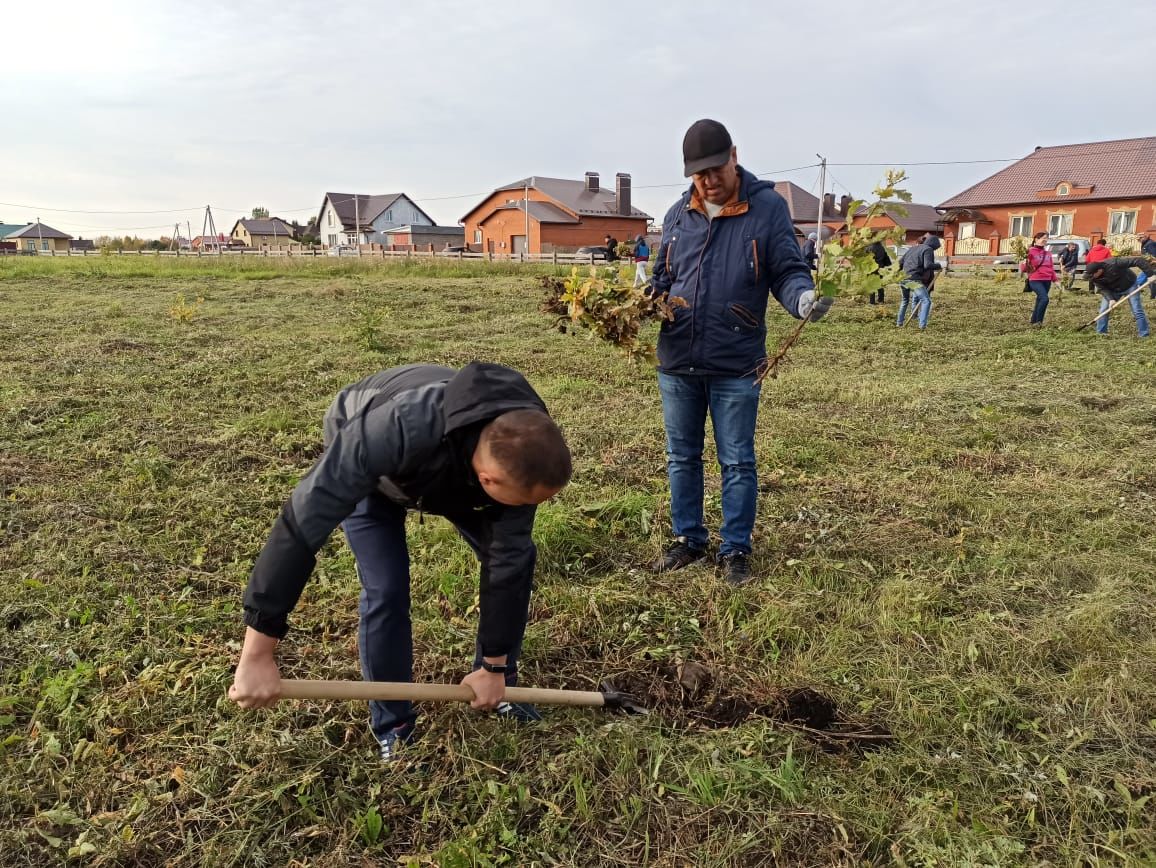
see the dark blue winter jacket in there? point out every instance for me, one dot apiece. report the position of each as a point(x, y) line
point(726, 269)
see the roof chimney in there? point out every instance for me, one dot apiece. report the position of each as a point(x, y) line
point(622, 194)
point(828, 204)
point(591, 182)
point(844, 205)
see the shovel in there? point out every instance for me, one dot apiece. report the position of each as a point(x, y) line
point(605, 697)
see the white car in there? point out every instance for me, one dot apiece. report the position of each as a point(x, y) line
point(341, 250)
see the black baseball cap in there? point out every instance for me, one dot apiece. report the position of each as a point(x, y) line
point(706, 145)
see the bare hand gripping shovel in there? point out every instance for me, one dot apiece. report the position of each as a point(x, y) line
point(605, 697)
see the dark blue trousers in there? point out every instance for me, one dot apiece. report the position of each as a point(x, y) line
point(376, 534)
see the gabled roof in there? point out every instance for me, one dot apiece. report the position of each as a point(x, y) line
point(37, 230)
point(270, 226)
point(1120, 169)
point(573, 197)
point(802, 205)
point(919, 218)
point(542, 212)
point(351, 207)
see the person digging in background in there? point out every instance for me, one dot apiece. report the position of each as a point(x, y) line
point(1069, 262)
point(611, 248)
point(476, 446)
point(1148, 248)
point(919, 270)
point(1041, 274)
point(727, 246)
point(1114, 279)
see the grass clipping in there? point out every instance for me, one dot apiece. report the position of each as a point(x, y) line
point(601, 302)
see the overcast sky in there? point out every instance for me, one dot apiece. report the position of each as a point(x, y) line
point(156, 106)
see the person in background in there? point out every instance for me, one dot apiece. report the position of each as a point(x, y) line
point(641, 257)
point(1041, 273)
point(1114, 279)
point(810, 253)
point(1069, 261)
point(1148, 248)
point(611, 248)
point(1099, 252)
point(882, 263)
point(919, 271)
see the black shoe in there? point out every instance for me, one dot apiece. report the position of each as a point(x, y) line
point(394, 740)
point(679, 555)
point(736, 568)
point(522, 712)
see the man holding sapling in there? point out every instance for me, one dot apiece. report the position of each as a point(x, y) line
point(727, 246)
point(476, 446)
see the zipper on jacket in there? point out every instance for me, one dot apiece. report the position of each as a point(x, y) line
point(697, 286)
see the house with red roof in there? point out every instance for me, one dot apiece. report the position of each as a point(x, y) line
point(1092, 190)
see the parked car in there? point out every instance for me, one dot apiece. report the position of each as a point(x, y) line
point(598, 251)
point(453, 250)
point(1055, 246)
point(341, 250)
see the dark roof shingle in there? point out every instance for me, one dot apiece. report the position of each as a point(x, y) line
point(271, 226)
point(575, 196)
point(1121, 169)
point(38, 230)
point(802, 205)
point(919, 218)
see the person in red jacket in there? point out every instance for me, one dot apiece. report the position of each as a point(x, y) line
point(1099, 252)
point(1041, 274)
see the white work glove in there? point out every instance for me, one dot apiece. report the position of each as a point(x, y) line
point(814, 310)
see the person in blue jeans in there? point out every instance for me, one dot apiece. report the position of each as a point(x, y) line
point(919, 270)
point(476, 446)
point(1115, 279)
point(727, 246)
point(1041, 274)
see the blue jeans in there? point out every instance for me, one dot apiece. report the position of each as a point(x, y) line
point(376, 535)
point(733, 403)
point(1040, 288)
point(1137, 304)
point(922, 302)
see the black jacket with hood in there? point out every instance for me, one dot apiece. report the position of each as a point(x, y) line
point(407, 433)
point(1118, 278)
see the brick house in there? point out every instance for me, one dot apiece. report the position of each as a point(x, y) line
point(919, 220)
point(804, 208)
point(263, 232)
point(39, 238)
point(563, 216)
point(1092, 190)
point(423, 237)
point(341, 213)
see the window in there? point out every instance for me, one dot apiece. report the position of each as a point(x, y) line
point(1121, 222)
point(1063, 190)
point(389, 216)
point(44, 243)
point(1059, 224)
point(966, 230)
point(477, 236)
point(330, 215)
point(30, 245)
point(332, 240)
point(1021, 226)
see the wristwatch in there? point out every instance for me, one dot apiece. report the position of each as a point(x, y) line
point(496, 668)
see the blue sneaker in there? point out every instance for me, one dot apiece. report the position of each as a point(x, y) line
point(522, 712)
point(392, 742)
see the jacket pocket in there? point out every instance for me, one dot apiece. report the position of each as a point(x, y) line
point(741, 319)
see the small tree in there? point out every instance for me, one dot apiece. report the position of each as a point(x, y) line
point(260, 213)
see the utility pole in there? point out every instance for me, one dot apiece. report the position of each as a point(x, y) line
point(40, 236)
point(357, 221)
point(819, 223)
point(526, 245)
point(175, 241)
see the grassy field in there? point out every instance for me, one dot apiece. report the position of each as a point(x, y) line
point(955, 544)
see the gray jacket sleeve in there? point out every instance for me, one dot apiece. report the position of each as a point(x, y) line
point(371, 445)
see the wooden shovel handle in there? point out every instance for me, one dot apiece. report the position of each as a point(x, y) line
point(395, 690)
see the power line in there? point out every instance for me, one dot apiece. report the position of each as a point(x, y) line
point(75, 211)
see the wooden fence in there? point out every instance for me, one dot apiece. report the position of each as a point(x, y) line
point(315, 253)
